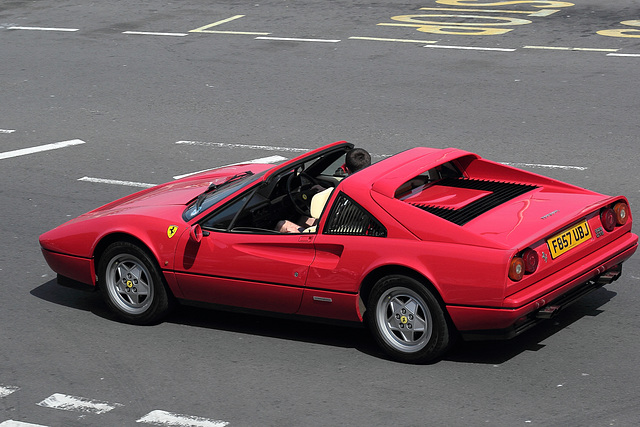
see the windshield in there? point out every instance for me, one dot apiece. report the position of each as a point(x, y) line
point(218, 190)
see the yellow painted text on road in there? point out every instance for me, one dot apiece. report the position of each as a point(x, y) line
point(534, 3)
point(536, 13)
point(462, 20)
point(624, 32)
point(423, 23)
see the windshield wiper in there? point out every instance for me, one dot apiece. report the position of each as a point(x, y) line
point(213, 187)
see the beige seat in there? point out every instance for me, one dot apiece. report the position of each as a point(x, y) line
point(318, 202)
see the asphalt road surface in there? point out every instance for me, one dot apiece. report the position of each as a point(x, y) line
point(99, 99)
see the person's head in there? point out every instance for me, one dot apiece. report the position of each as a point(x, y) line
point(357, 159)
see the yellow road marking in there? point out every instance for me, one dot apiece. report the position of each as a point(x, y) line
point(215, 24)
point(205, 29)
point(538, 13)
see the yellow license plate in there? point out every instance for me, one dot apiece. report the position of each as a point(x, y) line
point(569, 239)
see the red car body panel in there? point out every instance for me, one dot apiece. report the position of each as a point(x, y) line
point(76, 268)
point(464, 260)
point(519, 305)
point(264, 272)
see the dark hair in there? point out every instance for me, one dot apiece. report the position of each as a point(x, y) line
point(357, 159)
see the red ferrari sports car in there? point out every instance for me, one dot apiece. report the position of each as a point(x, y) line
point(423, 246)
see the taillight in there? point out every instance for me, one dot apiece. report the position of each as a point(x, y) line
point(530, 258)
point(516, 269)
point(608, 219)
point(622, 213)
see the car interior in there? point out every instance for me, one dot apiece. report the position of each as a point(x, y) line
point(286, 196)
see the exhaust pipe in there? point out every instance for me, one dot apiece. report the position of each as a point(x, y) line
point(609, 276)
point(548, 312)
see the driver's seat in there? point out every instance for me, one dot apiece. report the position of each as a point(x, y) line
point(318, 202)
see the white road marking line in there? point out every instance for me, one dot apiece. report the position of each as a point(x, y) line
point(271, 159)
point(536, 165)
point(116, 182)
point(40, 148)
point(248, 146)
point(12, 423)
point(593, 49)
point(583, 49)
point(77, 404)
point(149, 33)
point(624, 54)
point(7, 390)
point(378, 39)
point(496, 49)
point(43, 29)
point(7, 130)
point(293, 39)
point(164, 418)
point(246, 33)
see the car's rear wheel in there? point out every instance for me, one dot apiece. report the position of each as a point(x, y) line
point(407, 321)
point(132, 285)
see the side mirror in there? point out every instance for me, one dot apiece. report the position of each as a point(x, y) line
point(196, 233)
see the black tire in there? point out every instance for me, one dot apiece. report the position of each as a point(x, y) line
point(407, 321)
point(132, 285)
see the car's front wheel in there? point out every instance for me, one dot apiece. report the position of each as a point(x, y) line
point(407, 321)
point(132, 285)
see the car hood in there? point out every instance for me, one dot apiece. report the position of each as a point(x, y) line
point(172, 193)
point(175, 193)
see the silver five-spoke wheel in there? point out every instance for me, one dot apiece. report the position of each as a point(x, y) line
point(404, 318)
point(132, 284)
point(407, 320)
point(129, 284)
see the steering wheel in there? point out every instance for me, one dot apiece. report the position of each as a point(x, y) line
point(300, 189)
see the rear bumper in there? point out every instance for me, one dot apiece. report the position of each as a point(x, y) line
point(563, 288)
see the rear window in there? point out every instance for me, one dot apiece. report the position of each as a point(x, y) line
point(419, 183)
point(349, 218)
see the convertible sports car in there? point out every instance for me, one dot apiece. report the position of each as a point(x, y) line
point(423, 246)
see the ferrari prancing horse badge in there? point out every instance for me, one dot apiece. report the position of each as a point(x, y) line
point(172, 230)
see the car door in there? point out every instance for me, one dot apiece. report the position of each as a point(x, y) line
point(347, 242)
point(244, 266)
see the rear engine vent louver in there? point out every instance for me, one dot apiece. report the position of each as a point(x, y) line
point(501, 192)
